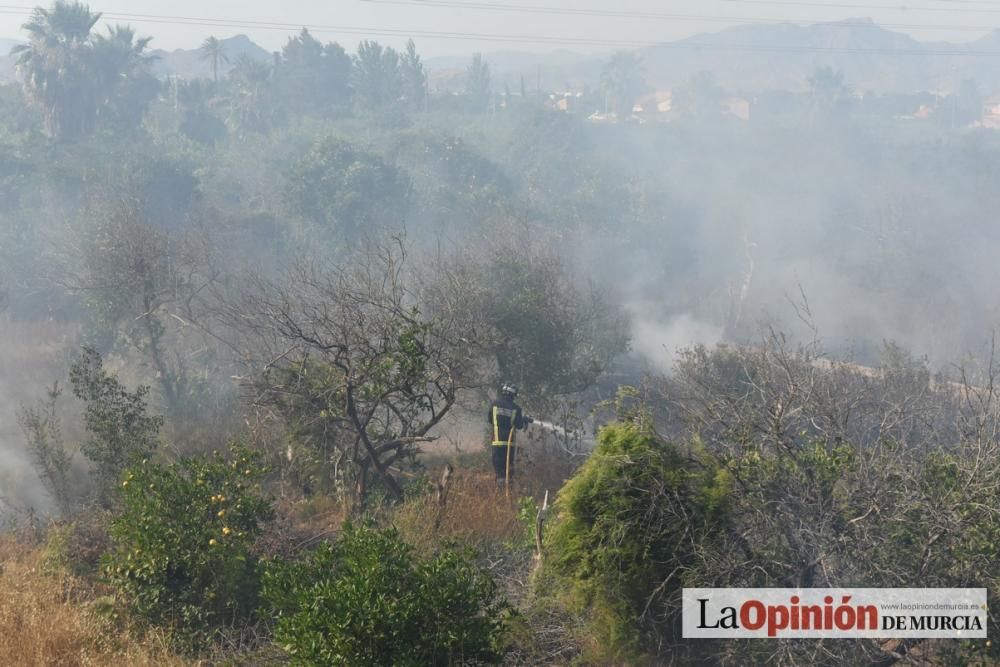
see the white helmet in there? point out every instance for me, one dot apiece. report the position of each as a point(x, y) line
point(509, 389)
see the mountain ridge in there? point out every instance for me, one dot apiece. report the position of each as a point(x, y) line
point(748, 58)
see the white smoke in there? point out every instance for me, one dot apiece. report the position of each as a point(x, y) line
point(658, 341)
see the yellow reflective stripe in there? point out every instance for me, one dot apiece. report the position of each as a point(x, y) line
point(496, 426)
point(497, 442)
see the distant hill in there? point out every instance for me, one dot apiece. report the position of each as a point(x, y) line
point(748, 58)
point(190, 64)
point(755, 58)
point(782, 56)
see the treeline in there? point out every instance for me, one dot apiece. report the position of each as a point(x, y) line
point(81, 80)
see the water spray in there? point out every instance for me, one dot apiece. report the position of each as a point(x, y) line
point(549, 426)
point(565, 436)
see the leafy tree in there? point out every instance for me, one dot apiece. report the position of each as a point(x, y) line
point(545, 333)
point(314, 78)
point(414, 77)
point(623, 81)
point(212, 51)
point(347, 191)
point(138, 278)
point(118, 426)
point(377, 77)
point(182, 544)
point(456, 189)
point(478, 84)
point(367, 600)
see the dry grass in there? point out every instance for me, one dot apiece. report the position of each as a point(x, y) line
point(49, 618)
point(477, 512)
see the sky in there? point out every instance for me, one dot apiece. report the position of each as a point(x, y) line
point(613, 24)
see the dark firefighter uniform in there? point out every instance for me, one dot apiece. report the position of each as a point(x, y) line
point(505, 417)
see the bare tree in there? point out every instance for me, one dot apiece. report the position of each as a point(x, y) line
point(835, 475)
point(143, 285)
point(355, 362)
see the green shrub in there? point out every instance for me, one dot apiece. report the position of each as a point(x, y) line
point(623, 533)
point(53, 463)
point(367, 600)
point(527, 515)
point(181, 545)
point(118, 428)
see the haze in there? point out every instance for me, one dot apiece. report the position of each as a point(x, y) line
point(927, 20)
point(407, 332)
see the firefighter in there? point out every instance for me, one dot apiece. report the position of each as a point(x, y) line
point(505, 417)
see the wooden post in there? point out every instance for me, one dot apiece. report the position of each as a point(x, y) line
point(442, 493)
point(539, 520)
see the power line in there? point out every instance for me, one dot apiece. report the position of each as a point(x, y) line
point(829, 4)
point(729, 20)
point(339, 29)
point(843, 5)
point(508, 38)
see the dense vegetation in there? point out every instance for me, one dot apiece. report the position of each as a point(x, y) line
point(323, 267)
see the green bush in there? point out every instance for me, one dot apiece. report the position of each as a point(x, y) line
point(624, 530)
point(367, 600)
point(119, 430)
point(181, 546)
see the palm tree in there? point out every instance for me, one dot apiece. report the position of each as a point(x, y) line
point(211, 49)
point(55, 66)
point(121, 69)
point(251, 97)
